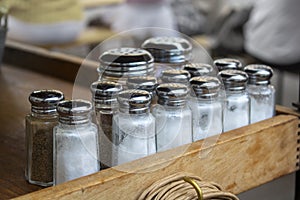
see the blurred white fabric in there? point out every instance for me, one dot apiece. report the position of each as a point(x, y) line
point(273, 32)
point(139, 14)
point(43, 34)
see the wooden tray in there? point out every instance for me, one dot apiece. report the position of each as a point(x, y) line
point(241, 159)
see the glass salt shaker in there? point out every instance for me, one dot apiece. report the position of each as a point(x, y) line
point(175, 76)
point(147, 83)
point(105, 104)
point(168, 52)
point(198, 69)
point(237, 104)
point(206, 107)
point(119, 64)
point(133, 127)
point(173, 116)
point(39, 136)
point(228, 63)
point(75, 150)
point(262, 94)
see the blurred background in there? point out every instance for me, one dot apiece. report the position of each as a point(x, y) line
point(260, 31)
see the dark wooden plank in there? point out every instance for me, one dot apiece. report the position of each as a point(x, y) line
point(15, 86)
point(44, 61)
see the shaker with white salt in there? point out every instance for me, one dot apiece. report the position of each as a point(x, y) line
point(261, 92)
point(75, 142)
point(237, 104)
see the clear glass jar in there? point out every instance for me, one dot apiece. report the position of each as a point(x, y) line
point(175, 76)
point(262, 94)
point(75, 150)
point(199, 69)
point(173, 116)
point(206, 106)
point(119, 64)
point(228, 63)
point(133, 127)
point(39, 136)
point(105, 104)
point(168, 52)
point(237, 104)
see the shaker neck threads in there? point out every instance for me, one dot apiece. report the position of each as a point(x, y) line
point(174, 50)
point(234, 80)
point(124, 62)
point(205, 87)
point(134, 101)
point(105, 94)
point(175, 76)
point(259, 74)
point(44, 101)
point(172, 94)
point(198, 69)
point(228, 63)
point(74, 112)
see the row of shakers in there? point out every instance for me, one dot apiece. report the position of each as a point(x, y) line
point(145, 100)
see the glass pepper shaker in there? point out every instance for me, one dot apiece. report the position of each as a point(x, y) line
point(39, 136)
point(228, 63)
point(175, 76)
point(198, 69)
point(261, 92)
point(206, 107)
point(173, 116)
point(168, 52)
point(237, 104)
point(105, 104)
point(75, 150)
point(119, 64)
point(133, 127)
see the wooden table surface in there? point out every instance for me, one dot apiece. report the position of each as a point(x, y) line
point(15, 86)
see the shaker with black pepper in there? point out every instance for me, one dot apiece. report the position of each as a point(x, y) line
point(105, 104)
point(39, 136)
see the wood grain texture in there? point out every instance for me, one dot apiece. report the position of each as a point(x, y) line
point(240, 160)
point(15, 86)
point(47, 62)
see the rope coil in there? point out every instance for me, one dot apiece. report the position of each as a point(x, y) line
point(183, 186)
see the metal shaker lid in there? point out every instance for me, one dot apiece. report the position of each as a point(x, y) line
point(134, 101)
point(172, 94)
point(125, 61)
point(198, 69)
point(259, 74)
point(105, 92)
point(205, 86)
point(168, 49)
point(234, 80)
point(45, 101)
point(175, 76)
point(228, 63)
point(148, 83)
point(74, 111)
